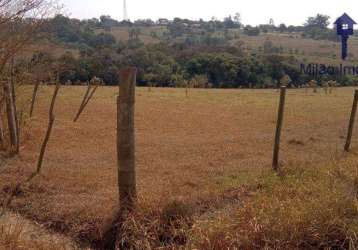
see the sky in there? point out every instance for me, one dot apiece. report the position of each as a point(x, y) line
point(253, 12)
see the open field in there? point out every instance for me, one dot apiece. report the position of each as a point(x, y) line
point(17, 233)
point(122, 34)
point(308, 50)
point(213, 144)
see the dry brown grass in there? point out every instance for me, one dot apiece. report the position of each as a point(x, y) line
point(17, 233)
point(122, 34)
point(196, 150)
point(56, 50)
point(315, 51)
point(308, 208)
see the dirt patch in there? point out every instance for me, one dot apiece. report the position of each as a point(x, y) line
point(296, 142)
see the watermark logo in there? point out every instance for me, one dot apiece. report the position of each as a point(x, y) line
point(345, 28)
point(317, 70)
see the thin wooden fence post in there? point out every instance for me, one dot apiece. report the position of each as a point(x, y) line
point(34, 93)
point(351, 122)
point(51, 121)
point(90, 96)
point(126, 139)
point(276, 149)
point(2, 118)
point(13, 93)
point(83, 102)
point(11, 117)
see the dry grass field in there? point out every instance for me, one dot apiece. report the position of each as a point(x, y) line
point(122, 34)
point(318, 51)
point(310, 51)
point(209, 149)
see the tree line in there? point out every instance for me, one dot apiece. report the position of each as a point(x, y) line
point(185, 52)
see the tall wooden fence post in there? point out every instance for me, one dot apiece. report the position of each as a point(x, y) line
point(276, 149)
point(11, 118)
point(125, 139)
point(351, 122)
point(13, 93)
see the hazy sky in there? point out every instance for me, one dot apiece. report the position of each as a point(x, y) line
point(252, 11)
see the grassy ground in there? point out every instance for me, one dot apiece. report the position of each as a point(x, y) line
point(307, 208)
point(309, 50)
point(209, 150)
point(321, 51)
point(17, 233)
point(122, 34)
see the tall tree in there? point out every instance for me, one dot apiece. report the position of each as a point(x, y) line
point(318, 21)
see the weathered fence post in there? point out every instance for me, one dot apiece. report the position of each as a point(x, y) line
point(13, 93)
point(95, 82)
point(351, 122)
point(276, 149)
point(51, 121)
point(126, 140)
point(2, 136)
point(11, 117)
point(83, 102)
point(34, 93)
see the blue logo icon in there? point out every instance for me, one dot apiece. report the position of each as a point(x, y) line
point(345, 28)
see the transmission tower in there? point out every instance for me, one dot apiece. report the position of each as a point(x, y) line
point(125, 13)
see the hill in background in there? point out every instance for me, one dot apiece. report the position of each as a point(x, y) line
point(201, 53)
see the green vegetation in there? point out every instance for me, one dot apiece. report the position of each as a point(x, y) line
point(169, 53)
point(317, 28)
